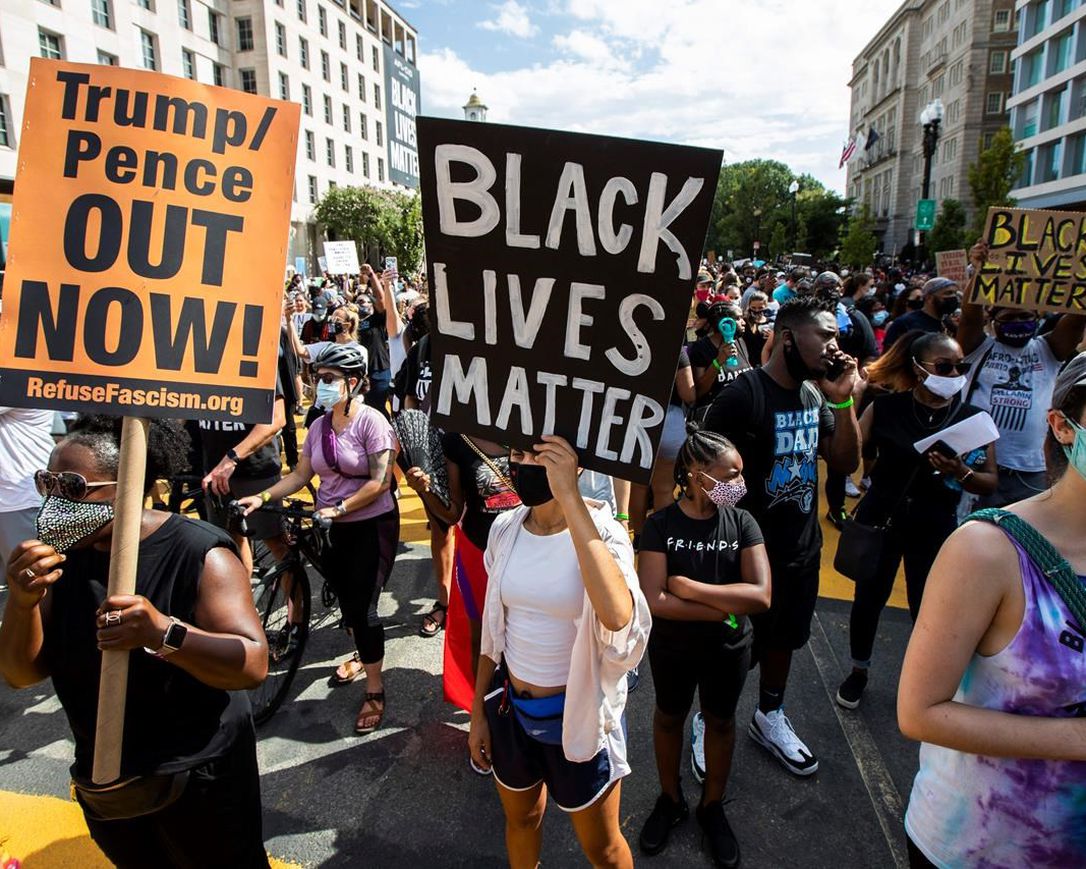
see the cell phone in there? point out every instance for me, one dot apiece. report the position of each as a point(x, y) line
point(835, 369)
point(944, 449)
point(392, 265)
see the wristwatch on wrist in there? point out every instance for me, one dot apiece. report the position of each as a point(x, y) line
point(232, 454)
point(341, 508)
point(172, 640)
point(964, 478)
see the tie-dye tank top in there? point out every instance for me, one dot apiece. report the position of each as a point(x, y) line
point(970, 810)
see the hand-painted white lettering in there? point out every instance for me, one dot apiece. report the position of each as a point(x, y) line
point(577, 320)
point(642, 352)
point(572, 196)
point(513, 236)
point(658, 219)
point(474, 191)
point(465, 385)
point(446, 325)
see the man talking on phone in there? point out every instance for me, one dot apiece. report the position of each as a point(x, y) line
point(782, 417)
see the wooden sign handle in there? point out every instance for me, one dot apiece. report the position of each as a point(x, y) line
point(128, 513)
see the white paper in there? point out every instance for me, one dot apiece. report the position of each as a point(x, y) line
point(977, 431)
point(341, 257)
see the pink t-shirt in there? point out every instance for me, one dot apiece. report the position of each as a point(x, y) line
point(366, 434)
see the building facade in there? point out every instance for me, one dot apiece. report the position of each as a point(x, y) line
point(335, 57)
point(1048, 105)
point(956, 51)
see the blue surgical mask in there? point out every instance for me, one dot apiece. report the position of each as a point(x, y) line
point(879, 318)
point(1076, 453)
point(329, 394)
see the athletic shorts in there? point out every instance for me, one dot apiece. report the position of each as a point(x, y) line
point(262, 524)
point(716, 671)
point(674, 434)
point(786, 626)
point(520, 762)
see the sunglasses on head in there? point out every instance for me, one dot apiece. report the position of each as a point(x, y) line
point(329, 377)
point(944, 368)
point(66, 484)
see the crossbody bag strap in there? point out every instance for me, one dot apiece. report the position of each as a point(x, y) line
point(1054, 566)
point(504, 478)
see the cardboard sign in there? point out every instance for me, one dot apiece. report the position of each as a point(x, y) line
point(952, 264)
point(402, 103)
point(561, 268)
point(150, 218)
point(1036, 261)
point(341, 257)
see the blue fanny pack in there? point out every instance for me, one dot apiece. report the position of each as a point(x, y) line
point(540, 717)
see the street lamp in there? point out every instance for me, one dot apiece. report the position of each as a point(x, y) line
point(793, 188)
point(757, 228)
point(930, 118)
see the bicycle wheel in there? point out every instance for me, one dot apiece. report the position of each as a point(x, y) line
point(280, 593)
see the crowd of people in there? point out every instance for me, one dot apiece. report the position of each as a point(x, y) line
point(551, 582)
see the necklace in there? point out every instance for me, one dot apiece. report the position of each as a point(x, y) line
point(931, 413)
point(547, 532)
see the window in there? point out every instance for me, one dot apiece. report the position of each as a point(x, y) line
point(1053, 109)
point(213, 27)
point(938, 86)
point(1078, 155)
point(188, 63)
point(303, 52)
point(950, 150)
point(330, 152)
point(322, 20)
point(280, 39)
point(327, 109)
point(348, 158)
point(100, 13)
point(248, 80)
point(313, 188)
point(994, 104)
point(184, 16)
point(1063, 52)
point(1002, 21)
point(346, 118)
point(380, 169)
point(310, 145)
point(1064, 7)
point(301, 11)
point(107, 59)
point(284, 86)
point(953, 112)
point(49, 44)
point(378, 133)
point(1039, 16)
point(361, 87)
point(1033, 68)
point(344, 78)
point(359, 47)
point(1028, 115)
point(986, 141)
point(956, 73)
point(147, 4)
point(147, 50)
point(326, 67)
point(307, 100)
point(376, 95)
point(6, 139)
point(342, 35)
point(376, 60)
point(218, 74)
point(997, 62)
point(362, 123)
point(365, 164)
point(1051, 157)
point(245, 34)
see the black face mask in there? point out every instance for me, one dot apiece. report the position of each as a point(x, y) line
point(702, 332)
point(335, 328)
point(948, 305)
point(531, 484)
point(793, 361)
point(914, 304)
point(1016, 333)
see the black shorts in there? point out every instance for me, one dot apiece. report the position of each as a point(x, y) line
point(786, 626)
point(521, 762)
point(262, 524)
point(718, 672)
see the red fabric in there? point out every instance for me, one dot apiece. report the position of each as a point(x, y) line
point(468, 594)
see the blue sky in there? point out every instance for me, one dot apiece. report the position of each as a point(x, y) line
point(758, 78)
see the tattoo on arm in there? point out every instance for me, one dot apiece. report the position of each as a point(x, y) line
point(381, 466)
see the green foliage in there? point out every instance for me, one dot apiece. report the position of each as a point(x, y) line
point(389, 220)
point(993, 176)
point(949, 230)
point(859, 244)
point(762, 186)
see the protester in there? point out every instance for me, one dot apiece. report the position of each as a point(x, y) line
point(565, 619)
point(940, 298)
point(877, 315)
point(352, 448)
point(25, 444)
point(914, 496)
point(781, 424)
point(993, 678)
point(714, 361)
point(1014, 370)
point(703, 568)
point(854, 288)
point(191, 793)
point(758, 326)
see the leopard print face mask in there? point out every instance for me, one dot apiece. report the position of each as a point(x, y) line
point(63, 523)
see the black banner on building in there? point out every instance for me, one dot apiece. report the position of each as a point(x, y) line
point(401, 106)
point(561, 267)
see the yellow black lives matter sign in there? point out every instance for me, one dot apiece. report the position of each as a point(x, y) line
point(149, 229)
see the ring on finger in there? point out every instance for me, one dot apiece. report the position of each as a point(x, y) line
point(113, 618)
point(29, 574)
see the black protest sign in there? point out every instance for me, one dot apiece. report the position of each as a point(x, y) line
point(561, 267)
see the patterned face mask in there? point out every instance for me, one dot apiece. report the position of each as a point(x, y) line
point(726, 493)
point(63, 523)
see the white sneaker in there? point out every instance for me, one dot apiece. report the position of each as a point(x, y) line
point(865, 483)
point(775, 734)
point(851, 489)
point(697, 746)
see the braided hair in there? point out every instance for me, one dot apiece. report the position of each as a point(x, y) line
point(701, 447)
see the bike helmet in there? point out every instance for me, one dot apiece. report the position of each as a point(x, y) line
point(827, 281)
point(348, 358)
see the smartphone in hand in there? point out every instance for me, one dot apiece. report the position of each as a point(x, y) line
point(392, 265)
point(944, 449)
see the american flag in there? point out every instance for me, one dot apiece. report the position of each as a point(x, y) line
point(846, 154)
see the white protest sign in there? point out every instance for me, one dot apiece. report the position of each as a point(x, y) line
point(340, 258)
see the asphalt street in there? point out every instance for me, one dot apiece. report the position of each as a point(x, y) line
point(406, 796)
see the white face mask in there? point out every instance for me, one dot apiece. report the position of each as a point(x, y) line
point(944, 387)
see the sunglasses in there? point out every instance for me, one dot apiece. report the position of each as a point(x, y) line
point(66, 484)
point(328, 377)
point(944, 368)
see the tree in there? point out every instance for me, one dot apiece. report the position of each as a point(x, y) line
point(993, 176)
point(859, 243)
point(949, 230)
point(388, 220)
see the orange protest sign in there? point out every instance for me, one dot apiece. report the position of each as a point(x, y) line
point(149, 224)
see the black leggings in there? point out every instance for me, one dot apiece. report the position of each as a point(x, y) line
point(917, 860)
point(215, 823)
point(915, 536)
point(358, 564)
point(835, 492)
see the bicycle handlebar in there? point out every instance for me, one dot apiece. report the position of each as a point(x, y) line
point(292, 509)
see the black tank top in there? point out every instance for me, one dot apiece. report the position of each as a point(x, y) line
point(172, 720)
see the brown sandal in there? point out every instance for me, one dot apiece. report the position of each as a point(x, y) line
point(347, 672)
point(374, 715)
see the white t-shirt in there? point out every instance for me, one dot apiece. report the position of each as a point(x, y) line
point(598, 487)
point(25, 445)
point(1015, 387)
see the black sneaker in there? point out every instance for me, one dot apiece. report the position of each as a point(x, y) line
point(837, 518)
point(852, 689)
point(723, 846)
point(665, 815)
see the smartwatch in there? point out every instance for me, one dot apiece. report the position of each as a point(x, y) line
point(172, 640)
point(341, 508)
point(232, 454)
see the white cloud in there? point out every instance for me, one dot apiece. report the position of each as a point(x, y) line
point(512, 18)
point(757, 78)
